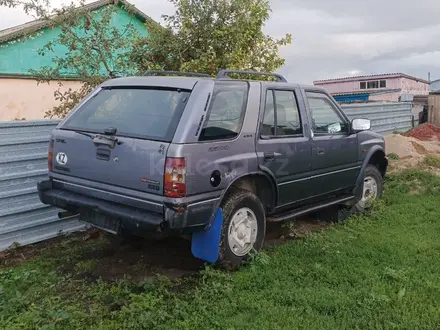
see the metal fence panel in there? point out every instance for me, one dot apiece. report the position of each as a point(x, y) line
point(23, 162)
point(385, 117)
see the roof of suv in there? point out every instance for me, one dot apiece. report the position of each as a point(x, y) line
point(173, 82)
point(184, 82)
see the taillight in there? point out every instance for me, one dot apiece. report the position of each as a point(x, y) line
point(174, 177)
point(50, 156)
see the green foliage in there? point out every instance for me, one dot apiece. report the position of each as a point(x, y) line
point(37, 8)
point(209, 35)
point(376, 271)
point(393, 156)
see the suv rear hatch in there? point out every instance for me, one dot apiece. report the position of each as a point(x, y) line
point(120, 137)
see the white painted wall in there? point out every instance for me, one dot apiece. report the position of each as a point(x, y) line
point(24, 98)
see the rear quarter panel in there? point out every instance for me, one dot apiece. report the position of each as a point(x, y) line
point(230, 159)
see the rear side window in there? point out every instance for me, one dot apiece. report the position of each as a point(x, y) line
point(134, 112)
point(281, 114)
point(226, 111)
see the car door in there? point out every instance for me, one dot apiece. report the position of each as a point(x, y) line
point(335, 154)
point(283, 145)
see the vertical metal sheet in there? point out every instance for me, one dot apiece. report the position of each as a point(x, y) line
point(23, 162)
point(385, 117)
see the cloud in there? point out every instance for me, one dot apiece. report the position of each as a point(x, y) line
point(338, 37)
point(334, 38)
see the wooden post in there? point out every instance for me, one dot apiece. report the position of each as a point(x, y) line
point(434, 109)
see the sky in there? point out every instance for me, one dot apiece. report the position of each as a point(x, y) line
point(336, 38)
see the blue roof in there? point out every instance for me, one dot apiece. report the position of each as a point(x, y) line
point(349, 98)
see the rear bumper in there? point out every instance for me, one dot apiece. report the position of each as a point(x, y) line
point(74, 202)
point(184, 217)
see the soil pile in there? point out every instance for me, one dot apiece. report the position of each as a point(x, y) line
point(425, 132)
point(410, 150)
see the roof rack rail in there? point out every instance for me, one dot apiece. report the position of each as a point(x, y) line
point(175, 73)
point(225, 73)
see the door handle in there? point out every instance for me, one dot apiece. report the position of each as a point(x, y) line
point(268, 156)
point(320, 151)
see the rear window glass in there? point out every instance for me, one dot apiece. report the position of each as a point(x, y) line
point(134, 112)
point(226, 111)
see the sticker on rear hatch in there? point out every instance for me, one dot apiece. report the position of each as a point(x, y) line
point(61, 158)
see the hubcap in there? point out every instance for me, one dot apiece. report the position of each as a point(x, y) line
point(242, 231)
point(370, 191)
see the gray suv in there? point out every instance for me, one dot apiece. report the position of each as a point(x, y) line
point(215, 158)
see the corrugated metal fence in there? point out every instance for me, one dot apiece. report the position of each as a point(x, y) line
point(23, 162)
point(385, 117)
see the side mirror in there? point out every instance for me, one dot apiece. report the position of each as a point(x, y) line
point(359, 125)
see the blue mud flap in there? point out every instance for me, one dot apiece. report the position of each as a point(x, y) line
point(205, 245)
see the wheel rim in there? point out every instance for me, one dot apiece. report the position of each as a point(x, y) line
point(242, 231)
point(370, 191)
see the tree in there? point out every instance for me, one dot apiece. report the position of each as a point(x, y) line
point(202, 36)
point(96, 50)
point(35, 8)
point(209, 35)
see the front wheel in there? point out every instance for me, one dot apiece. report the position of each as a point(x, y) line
point(244, 227)
point(373, 188)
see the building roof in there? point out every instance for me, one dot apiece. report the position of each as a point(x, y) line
point(368, 77)
point(36, 25)
point(368, 92)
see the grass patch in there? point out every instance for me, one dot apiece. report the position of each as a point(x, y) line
point(85, 266)
point(377, 271)
point(393, 156)
point(432, 161)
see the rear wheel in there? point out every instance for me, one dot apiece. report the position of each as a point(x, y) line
point(244, 227)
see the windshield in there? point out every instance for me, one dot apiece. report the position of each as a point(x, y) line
point(134, 112)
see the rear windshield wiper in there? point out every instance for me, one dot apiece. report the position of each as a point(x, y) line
point(92, 136)
point(109, 140)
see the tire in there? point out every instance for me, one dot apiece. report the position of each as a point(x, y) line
point(336, 214)
point(236, 204)
point(373, 173)
point(340, 213)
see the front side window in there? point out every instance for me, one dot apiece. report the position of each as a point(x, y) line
point(325, 117)
point(135, 112)
point(281, 114)
point(226, 111)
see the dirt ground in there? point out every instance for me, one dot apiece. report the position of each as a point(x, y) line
point(410, 151)
point(104, 256)
point(107, 257)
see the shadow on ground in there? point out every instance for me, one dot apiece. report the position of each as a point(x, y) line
point(94, 254)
